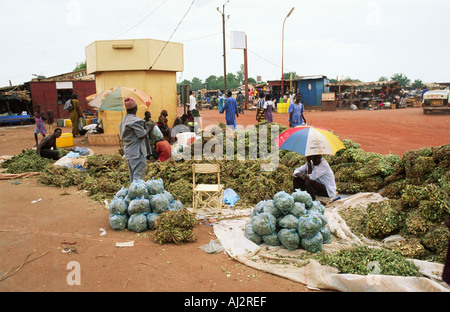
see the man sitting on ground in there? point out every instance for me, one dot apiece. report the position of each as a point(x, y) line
point(47, 147)
point(316, 177)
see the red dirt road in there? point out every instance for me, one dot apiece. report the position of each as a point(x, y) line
point(70, 216)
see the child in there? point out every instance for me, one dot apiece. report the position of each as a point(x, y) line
point(39, 127)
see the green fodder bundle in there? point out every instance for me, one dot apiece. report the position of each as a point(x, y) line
point(62, 176)
point(383, 218)
point(175, 226)
point(359, 261)
point(27, 161)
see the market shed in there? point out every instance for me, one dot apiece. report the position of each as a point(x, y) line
point(146, 64)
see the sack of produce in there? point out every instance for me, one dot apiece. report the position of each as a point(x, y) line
point(299, 209)
point(139, 205)
point(117, 206)
point(271, 239)
point(155, 186)
point(118, 222)
point(175, 226)
point(264, 224)
point(326, 234)
point(308, 225)
point(303, 197)
point(283, 201)
point(123, 192)
point(317, 206)
point(176, 205)
point(159, 203)
point(288, 222)
point(168, 195)
point(269, 207)
point(151, 219)
point(258, 208)
point(251, 235)
point(137, 223)
point(289, 238)
point(137, 189)
point(313, 244)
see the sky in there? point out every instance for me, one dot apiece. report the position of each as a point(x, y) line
point(360, 39)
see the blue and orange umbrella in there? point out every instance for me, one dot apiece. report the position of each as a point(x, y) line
point(309, 140)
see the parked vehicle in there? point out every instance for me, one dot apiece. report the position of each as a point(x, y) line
point(436, 100)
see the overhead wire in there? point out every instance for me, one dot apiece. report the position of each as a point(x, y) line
point(167, 42)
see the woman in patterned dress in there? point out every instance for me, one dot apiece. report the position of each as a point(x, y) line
point(39, 127)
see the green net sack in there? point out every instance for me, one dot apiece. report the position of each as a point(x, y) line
point(271, 239)
point(308, 225)
point(303, 197)
point(123, 192)
point(155, 186)
point(137, 189)
point(264, 224)
point(168, 195)
point(137, 223)
point(118, 222)
point(139, 205)
point(151, 219)
point(326, 234)
point(117, 206)
point(317, 206)
point(259, 207)
point(269, 207)
point(313, 244)
point(251, 235)
point(284, 202)
point(299, 209)
point(288, 222)
point(289, 238)
point(176, 205)
point(159, 203)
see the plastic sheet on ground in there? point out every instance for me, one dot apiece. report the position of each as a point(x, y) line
point(281, 262)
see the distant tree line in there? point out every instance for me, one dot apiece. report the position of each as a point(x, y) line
point(404, 81)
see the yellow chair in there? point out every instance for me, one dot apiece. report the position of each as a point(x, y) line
point(212, 192)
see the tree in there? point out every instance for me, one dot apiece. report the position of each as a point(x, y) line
point(417, 84)
point(383, 78)
point(81, 65)
point(402, 80)
point(287, 76)
point(196, 84)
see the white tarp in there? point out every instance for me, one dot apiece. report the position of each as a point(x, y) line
point(281, 262)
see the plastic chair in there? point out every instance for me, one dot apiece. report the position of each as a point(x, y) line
point(213, 193)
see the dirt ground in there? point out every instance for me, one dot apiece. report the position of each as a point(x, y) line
point(38, 223)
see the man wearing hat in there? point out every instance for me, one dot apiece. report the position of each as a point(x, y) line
point(133, 132)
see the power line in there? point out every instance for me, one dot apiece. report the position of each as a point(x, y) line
point(172, 34)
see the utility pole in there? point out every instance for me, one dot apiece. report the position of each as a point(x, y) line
point(282, 52)
point(224, 53)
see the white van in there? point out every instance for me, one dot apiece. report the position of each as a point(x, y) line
point(436, 100)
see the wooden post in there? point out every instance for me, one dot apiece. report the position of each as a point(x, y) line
point(246, 75)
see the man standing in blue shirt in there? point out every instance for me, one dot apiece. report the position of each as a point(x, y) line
point(231, 109)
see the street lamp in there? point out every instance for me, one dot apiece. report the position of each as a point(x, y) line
point(223, 38)
point(282, 51)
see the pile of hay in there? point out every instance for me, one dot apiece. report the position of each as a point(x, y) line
point(175, 226)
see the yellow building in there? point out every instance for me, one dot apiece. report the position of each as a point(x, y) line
point(146, 64)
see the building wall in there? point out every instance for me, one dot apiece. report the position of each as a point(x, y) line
point(45, 94)
point(160, 85)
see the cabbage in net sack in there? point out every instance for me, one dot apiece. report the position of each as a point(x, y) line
point(258, 208)
point(326, 234)
point(289, 238)
point(283, 201)
point(264, 224)
point(118, 222)
point(313, 244)
point(123, 192)
point(308, 225)
point(317, 206)
point(139, 205)
point(159, 203)
point(168, 195)
point(137, 223)
point(117, 206)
